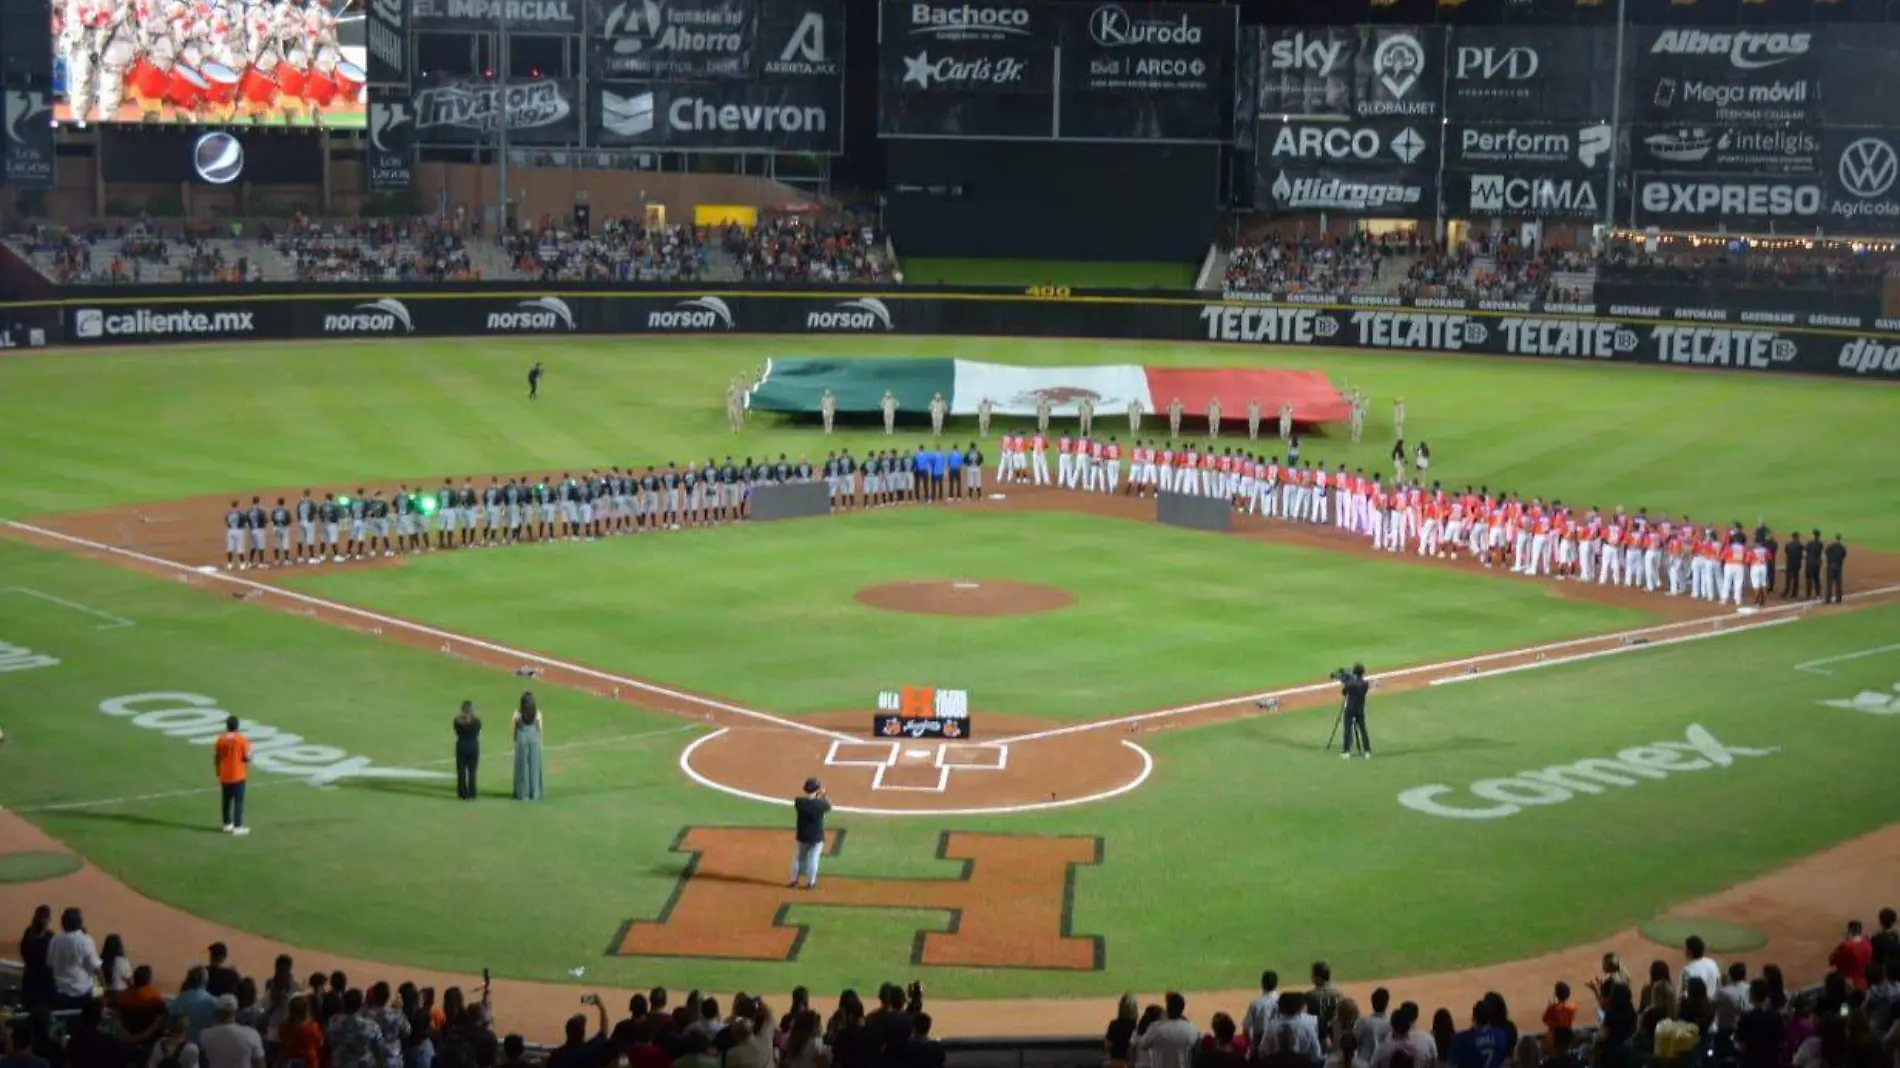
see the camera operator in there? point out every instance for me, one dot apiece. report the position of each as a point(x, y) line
point(1353, 687)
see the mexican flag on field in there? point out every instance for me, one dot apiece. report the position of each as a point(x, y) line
point(798, 385)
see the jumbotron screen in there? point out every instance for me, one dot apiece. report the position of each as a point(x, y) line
point(209, 62)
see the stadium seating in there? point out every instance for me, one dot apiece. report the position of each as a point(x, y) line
point(620, 250)
point(798, 248)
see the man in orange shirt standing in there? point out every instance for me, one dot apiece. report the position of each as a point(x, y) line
point(232, 759)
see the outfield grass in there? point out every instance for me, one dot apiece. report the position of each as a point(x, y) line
point(1077, 274)
point(152, 424)
point(1248, 843)
point(1163, 616)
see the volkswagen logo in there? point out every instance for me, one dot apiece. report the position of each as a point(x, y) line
point(1868, 167)
point(219, 158)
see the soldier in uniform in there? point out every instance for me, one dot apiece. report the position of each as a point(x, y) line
point(938, 409)
point(1175, 410)
point(1286, 422)
point(1398, 418)
point(1134, 415)
point(1213, 418)
point(735, 405)
point(1085, 411)
point(983, 412)
point(889, 407)
point(1253, 419)
point(1356, 420)
point(1836, 556)
point(828, 409)
point(1043, 411)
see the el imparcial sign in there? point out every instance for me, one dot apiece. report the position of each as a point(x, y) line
point(197, 719)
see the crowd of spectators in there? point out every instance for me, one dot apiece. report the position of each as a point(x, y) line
point(796, 248)
point(1498, 267)
point(1304, 265)
point(620, 250)
point(1699, 1015)
point(131, 254)
point(1740, 262)
point(372, 250)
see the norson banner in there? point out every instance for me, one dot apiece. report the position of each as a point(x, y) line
point(1127, 72)
point(1624, 334)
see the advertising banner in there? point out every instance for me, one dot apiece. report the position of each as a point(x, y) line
point(386, 41)
point(1361, 71)
point(1399, 72)
point(1146, 72)
point(1715, 339)
point(1531, 74)
point(673, 40)
point(543, 111)
point(1862, 173)
point(1701, 76)
point(520, 16)
point(967, 68)
point(28, 153)
point(1360, 192)
point(1739, 203)
point(132, 61)
point(26, 43)
point(1859, 79)
point(1351, 143)
point(391, 154)
point(792, 116)
point(1532, 194)
point(1529, 147)
point(1721, 149)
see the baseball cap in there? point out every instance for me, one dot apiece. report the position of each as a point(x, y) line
point(812, 786)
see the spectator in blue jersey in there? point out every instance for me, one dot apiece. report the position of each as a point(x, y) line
point(1482, 1045)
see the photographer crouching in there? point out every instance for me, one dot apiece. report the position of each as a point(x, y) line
point(1352, 710)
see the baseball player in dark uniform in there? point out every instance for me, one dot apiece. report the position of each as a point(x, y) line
point(307, 551)
point(973, 472)
point(234, 521)
point(1791, 585)
point(280, 534)
point(332, 517)
point(670, 486)
point(405, 503)
point(379, 518)
point(1811, 558)
point(847, 481)
point(1836, 557)
point(728, 491)
point(465, 513)
point(534, 381)
point(445, 515)
point(354, 508)
point(257, 523)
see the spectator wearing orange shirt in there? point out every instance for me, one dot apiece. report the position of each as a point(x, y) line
point(1852, 956)
point(1561, 1013)
point(232, 759)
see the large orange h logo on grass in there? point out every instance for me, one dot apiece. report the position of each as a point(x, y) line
point(1008, 907)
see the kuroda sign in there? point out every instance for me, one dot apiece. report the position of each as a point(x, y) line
point(197, 719)
point(1554, 785)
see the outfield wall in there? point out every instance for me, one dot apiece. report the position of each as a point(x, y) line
point(1717, 339)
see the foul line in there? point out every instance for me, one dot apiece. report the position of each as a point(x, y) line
point(1613, 651)
point(1147, 769)
point(1812, 666)
point(1423, 669)
point(112, 622)
point(108, 802)
point(433, 632)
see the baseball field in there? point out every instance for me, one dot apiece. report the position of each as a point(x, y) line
point(1557, 765)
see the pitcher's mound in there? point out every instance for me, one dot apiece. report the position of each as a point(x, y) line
point(972, 597)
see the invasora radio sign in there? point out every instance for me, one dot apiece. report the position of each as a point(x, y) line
point(533, 112)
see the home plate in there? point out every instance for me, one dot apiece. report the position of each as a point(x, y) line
point(964, 586)
point(917, 754)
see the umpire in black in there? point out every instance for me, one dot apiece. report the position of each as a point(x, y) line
point(1836, 556)
point(1353, 687)
point(1811, 559)
point(1791, 586)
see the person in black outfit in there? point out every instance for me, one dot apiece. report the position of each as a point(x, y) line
point(810, 815)
point(1353, 687)
point(1836, 556)
point(534, 381)
point(1811, 557)
point(37, 987)
point(1774, 553)
point(1791, 586)
point(468, 750)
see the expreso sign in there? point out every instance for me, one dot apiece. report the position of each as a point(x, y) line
point(1554, 785)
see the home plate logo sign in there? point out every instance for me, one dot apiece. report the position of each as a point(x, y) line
point(922, 712)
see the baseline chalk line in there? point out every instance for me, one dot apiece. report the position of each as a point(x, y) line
point(1813, 667)
point(1575, 658)
point(112, 622)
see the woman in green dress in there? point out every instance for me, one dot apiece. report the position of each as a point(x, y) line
point(529, 725)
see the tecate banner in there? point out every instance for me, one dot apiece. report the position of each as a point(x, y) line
point(683, 40)
point(1371, 193)
point(966, 69)
point(1529, 146)
point(1525, 195)
point(1726, 149)
point(1689, 74)
point(1738, 202)
point(540, 112)
point(796, 116)
point(28, 151)
point(520, 16)
point(1349, 143)
point(392, 155)
point(1863, 179)
point(1531, 73)
point(1147, 72)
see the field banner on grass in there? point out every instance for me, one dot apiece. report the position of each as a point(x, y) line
point(1311, 393)
point(798, 385)
point(1019, 390)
